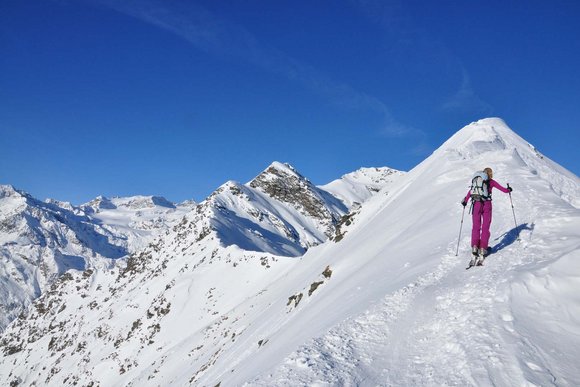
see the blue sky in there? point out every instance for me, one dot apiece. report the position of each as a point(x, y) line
point(174, 98)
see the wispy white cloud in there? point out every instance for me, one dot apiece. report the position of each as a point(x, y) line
point(465, 99)
point(390, 16)
point(208, 32)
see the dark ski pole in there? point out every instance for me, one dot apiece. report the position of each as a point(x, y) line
point(513, 210)
point(460, 227)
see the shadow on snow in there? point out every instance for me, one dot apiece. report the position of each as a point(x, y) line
point(510, 237)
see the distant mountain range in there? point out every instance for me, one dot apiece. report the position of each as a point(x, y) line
point(280, 212)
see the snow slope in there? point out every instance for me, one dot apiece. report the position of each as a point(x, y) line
point(388, 303)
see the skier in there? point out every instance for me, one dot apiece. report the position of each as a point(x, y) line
point(481, 211)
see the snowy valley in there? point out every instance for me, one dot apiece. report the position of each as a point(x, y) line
point(280, 282)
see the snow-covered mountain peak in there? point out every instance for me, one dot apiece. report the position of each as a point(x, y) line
point(187, 203)
point(486, 135)
point(283, 183)
point(478, 137)
point(98, 203)
point(137, 202)
point(137, 219)
point(275, 174)
point(282, 168)
point(142, 202)
point(10, 191)
point(279, 212)
point(356, 187)
point(490, 142)
point(61, 204)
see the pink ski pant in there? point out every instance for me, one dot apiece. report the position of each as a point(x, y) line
point(481, 216)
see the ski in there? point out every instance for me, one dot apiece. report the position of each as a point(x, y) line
point(476, 261)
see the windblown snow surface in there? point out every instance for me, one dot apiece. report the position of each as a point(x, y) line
point(387, 303)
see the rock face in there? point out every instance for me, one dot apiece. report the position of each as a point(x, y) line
point(283, 183)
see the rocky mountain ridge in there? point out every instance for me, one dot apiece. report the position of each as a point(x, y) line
point(41, 240)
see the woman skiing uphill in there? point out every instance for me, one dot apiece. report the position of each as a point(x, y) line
point(480, 194)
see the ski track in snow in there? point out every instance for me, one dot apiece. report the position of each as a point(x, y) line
point(449, 327)
point(350, 353)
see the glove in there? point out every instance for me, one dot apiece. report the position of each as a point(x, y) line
point(464, 203)
point(509, 189)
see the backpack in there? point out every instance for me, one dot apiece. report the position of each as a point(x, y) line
point(480, 187)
